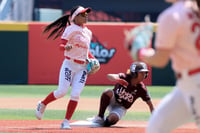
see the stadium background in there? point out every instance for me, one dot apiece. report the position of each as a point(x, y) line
point(27, 58)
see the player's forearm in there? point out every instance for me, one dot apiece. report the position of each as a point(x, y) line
point(151, 107)
point(117, 79)
point(63, 44)
point(159, 59)
point(154, 61)
point(112, 77)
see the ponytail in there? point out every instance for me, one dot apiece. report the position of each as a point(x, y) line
point(57, 27)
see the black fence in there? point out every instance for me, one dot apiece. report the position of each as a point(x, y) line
point(124, 10)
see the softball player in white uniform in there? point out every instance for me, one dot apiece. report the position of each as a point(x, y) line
point(75, 43)
point(178, 39)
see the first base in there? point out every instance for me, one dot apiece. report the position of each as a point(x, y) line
point(84, 124)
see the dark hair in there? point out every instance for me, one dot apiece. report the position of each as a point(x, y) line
point(198, 3)
point(59, 25)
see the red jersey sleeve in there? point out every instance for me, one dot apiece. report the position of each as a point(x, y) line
point(90, 55)
point(63, 43)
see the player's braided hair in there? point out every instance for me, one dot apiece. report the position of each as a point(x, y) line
point(59, 25)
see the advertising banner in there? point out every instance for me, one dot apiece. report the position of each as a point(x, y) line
point(107, 46)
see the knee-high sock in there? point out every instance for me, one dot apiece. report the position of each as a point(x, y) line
point(70, 109)
point(104, 102)
point(49, 98)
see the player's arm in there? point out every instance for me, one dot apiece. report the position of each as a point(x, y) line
point(64, 46)
point(150, 104)
point(93, 64)
point(147, 98)
point(63, 43)
point(112, 77)
point(159, 59)
point(164, 43)
point(116, 78)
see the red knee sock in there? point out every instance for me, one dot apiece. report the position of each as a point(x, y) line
point(70, 109)
point(49, 99)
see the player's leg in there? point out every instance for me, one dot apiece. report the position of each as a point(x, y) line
point(192, 82)
point(116, 114)
point(65, 77)
point(111, 119)
point(170, 113)
point(104, 102)
point(105, 99)
point(64, 83)
point(195, 108)
point(195, 104)
point(78, 84)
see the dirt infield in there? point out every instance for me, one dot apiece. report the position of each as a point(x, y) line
point(53, 127)
point(84, 104)
point(60, 104)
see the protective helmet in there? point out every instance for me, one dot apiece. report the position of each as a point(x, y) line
point(138, 67)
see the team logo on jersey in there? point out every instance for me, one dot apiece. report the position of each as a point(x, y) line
point(121, 92)
point(100, 52)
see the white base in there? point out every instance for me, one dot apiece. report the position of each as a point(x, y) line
point(84, 124)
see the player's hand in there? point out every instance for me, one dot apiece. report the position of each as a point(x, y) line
point(122, 82)
point(138, 38)
point(93, 66)
point(145, 52)
point(68, 47)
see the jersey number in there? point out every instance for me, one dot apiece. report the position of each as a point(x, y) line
point(196, 28)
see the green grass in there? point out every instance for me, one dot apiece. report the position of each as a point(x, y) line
point(41, 91)
point(27, 114)
point(33, 91)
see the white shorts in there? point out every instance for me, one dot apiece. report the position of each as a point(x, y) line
point(116, 108)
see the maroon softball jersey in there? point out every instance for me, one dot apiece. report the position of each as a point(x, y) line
point(127, 96)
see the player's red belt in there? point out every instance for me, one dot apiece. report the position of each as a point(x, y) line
point(76, 61)
point(191, 72)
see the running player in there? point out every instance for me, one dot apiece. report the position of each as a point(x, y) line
point(128, 88)
point(177, 39)
point(75, 42)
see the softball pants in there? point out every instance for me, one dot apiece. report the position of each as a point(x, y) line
point(179, 107)
point(73, 74)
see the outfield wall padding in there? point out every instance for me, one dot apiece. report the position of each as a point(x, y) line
point(45, 58)
point(28, 58)
point(14, 53)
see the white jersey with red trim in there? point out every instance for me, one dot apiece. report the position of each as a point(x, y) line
point(179, 31)
point(79, 37)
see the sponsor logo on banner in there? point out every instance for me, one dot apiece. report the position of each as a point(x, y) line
point(100, 52)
